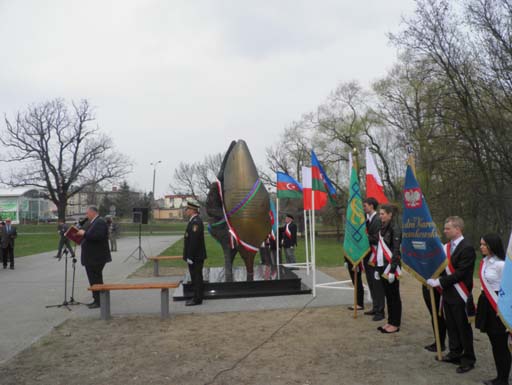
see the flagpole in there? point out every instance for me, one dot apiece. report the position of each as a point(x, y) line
point(313, 241)
point(354, 267)
point(306, 240)
point(410, 160)
point(436, 325)
point(278, 248)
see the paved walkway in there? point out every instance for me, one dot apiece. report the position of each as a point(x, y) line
point(38, 281)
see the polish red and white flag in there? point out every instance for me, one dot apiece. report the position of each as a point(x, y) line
point(374, 187)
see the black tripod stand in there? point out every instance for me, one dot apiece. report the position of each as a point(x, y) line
point(71, 301)
point(142, 254)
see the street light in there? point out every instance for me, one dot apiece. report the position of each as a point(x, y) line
point(154, 164)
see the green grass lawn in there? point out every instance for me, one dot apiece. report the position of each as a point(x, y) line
point(28, 244)
point(328, 253)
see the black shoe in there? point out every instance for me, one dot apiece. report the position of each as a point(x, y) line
point(464, 368)
point(90, 303)
point(5, 266)
point(93, 305)
point(193, 302)
point(433, 348)
point(451, 359)
point(378, 317)
point(370, 312)
point(358, 307)
point(12, 267)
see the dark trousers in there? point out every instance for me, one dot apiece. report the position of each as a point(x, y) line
point(95, 276)
point(360, 289)
point(8, 255)
point(460, 333)
point(392, 294)
point(65, 242)
point(196, 275)
point(440, 320)
point(501, 354)
point(376, 288)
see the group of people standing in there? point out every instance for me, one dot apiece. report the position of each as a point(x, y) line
point(287, 242)
point(454, 306)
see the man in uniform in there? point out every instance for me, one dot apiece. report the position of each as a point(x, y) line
point(194, 251)
point(289, 238)
point(63, 241)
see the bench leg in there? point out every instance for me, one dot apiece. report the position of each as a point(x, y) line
point(164, 308)
point(155, 268)
point(105, 304)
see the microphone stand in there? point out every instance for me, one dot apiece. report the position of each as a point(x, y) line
point(72, 301)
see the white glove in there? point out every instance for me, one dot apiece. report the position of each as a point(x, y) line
point(433, 282)
point(190, 262)
point(391, 278)
point(346, 265)
point(376, 276)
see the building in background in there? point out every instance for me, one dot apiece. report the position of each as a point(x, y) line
point(171, 207)
point(24, 205)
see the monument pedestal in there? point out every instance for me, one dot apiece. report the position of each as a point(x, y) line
point(265, 283)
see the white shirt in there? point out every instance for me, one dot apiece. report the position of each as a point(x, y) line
point(493, 271)
point(370, 217)
point(456, 242)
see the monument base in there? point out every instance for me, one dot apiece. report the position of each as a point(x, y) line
point(265, 283)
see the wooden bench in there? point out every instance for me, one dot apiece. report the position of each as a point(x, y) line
point(105, 289)
point(162, 258)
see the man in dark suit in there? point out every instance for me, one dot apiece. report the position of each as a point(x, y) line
point(7, 236)
point(289, 238)
point(194, 251)
point(373, 226)
point(95, 250)
point(457, 298)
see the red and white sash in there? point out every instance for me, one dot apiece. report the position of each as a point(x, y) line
point(373, 256)
point(459, 286)
point(287, 231)
point(386, 252)
point(234, 235)
point(489, 293)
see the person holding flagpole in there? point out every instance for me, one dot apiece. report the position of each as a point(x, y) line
point(457, 283)
point(487, 320)
point(373, 226)
point(388, 266)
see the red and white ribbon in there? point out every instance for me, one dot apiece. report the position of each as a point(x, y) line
point(459, 286)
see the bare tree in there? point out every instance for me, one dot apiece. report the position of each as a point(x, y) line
point(196, 178)
point(56, 149)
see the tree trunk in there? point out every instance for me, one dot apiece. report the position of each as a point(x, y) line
point(61, 210)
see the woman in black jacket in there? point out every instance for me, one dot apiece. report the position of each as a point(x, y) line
point(388, 266)
point(487, 320)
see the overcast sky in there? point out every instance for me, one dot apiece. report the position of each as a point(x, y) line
point(177, 80)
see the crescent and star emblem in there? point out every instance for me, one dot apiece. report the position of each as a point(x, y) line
point(291, 186)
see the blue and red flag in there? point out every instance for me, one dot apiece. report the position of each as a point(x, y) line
point(319, 175)
point(287, 187)
point(422, 251)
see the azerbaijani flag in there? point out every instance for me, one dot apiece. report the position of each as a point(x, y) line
point(505, 293)
point(374, 187)
point(320, 180)
point(287, 187)
point(307, 189)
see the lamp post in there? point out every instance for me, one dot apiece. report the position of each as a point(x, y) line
point(154, 164)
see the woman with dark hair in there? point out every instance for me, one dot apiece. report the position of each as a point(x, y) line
point(388, 265)
point(487, 320)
